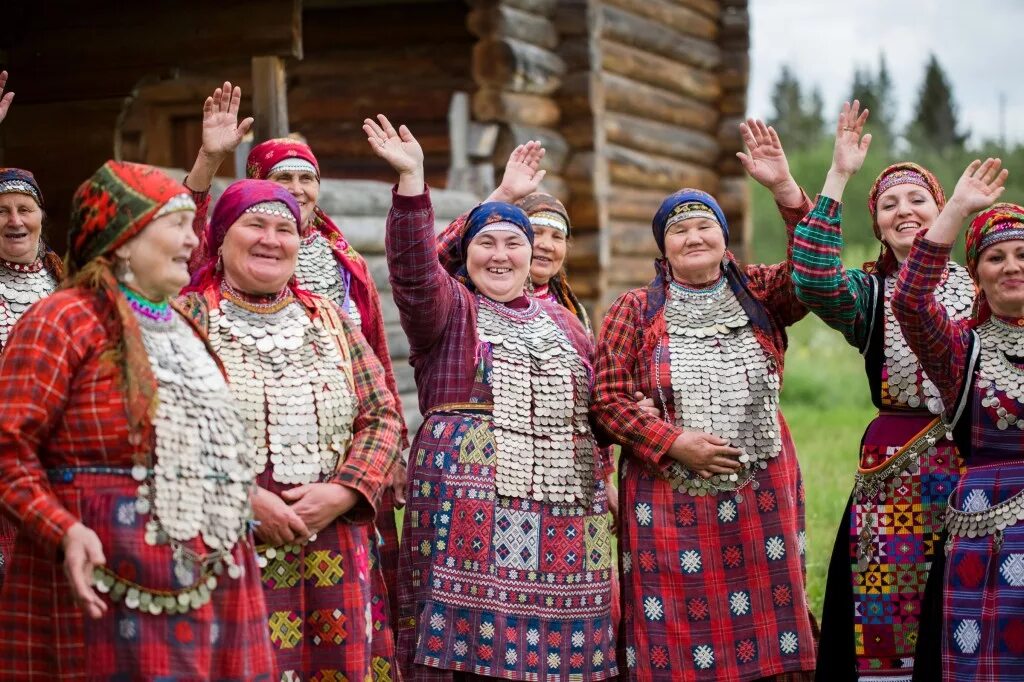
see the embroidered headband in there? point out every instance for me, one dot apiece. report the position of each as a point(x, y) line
point(550, 219)
point(181, 202)
point(293, 165)
point(690, 209)
point(274, 208)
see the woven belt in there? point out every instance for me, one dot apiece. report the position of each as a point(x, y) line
point(473, 408)
point(869, 482)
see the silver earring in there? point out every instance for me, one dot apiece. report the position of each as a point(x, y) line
point(123, 271)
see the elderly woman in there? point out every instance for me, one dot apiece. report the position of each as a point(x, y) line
point(125, 462)
point(893, 520)
point(320, 418)
point(977, 366)
point(328, 266)
point(506, 567)
point(711, 528)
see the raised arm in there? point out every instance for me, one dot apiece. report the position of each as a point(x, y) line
point(222, 133)
point(5, 99)
point(939, 342)
point(840, 297)
point(426, 295)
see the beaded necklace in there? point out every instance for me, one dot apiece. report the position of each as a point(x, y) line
point(156, 311)
point(541, 391)
point(723, 383)
point(21, 285)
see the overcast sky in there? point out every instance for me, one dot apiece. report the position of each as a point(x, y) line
point(980, 44)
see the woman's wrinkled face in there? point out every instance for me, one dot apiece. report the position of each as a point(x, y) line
point(695, 248)
point(1001, 276)
point(901, 212)
point(499, 263)
point(21, 223)
point(549, 248)
point(302, 185)
point(158, 256)
point(259, 253)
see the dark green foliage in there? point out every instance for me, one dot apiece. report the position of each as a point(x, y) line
point(798, 117)
point(935, 123)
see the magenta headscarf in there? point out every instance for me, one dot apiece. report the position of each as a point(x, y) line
point(239, 197)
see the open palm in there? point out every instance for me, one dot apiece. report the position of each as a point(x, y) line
point(522, 175)
point(980, 185)
point(5, 100)
point(765, 159)
point(851, 144)
point(398, 147)
point(222, 133)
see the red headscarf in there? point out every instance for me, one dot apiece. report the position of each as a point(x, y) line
point(1002, 222)
point(901, 173)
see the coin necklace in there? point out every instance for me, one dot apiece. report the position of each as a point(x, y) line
point(318, 271)
point(723, 383)
point(906, 383)
point(541, 391)
point(21, 285)
point(297, 400)
point(1000, 344)
point(200, 479)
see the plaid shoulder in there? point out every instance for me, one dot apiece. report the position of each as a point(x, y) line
point(196, 309)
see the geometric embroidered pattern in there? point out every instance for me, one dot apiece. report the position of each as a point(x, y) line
point(788, 642)
point(739, 603)
point(478, 447)
point(285, 629)
point(653, 608)
point(703, 657)
point(282, 572)
point(1013, 570)
point(328, 627)
point(516, 538)
point(967, 635)
point(976, 501)
point(690, 561)
point(775, 547)
point(324, 568)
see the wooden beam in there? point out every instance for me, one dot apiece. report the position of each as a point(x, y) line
point(490, 104)
point(630, 96)
point(659, 71)
point(572, 18)
point(634, 204)
point(709, 8)
point(514, 134)
point(641, 169)
point(544, 8)
point(671, 15)
point(510, 64)
point(659, 138)
point(502, 21)
point(627, 28)
point(269, 98)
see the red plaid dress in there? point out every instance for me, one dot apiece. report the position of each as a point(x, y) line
point(61, 409)
point(712, 589)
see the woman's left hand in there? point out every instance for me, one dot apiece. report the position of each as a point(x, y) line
point(612, 491)
point(765, 159)
point(979, 186)
point(522, 173)
point(397, 147)
point(319, 504)
point(5, 100)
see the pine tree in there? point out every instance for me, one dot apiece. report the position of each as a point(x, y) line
point(798, 122)
point(875, 93)
point(935, 124)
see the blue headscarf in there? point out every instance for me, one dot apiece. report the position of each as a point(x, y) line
point(480, 217)
point(675, 202)
point(22, 182)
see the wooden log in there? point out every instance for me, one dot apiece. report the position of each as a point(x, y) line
point(555, 185)
point(393, 69)
point(627, 28)
point(314, 106)
point(269, 99)
point(510, 64)
point(347, 139)
point(328, 28)
point(631, 271)
point(580, 134)
point(572, 18)
point(632, 204)
point(582, 207)
point(490, 104)
point(576, 52)
point(659, 138)
point(735, 22)
point(514, 134)
point(504, 21)
point(734, 73)
point(578, 95)
point(581, 165)
point(733, 195)
point(583, 254)
point(633, 238)
point(672, 15)
point(544, 8)
point(709, 8)
point(633, 97)
point(584, 285)
point(659, 71)
point(729, 137)
point(641, 169)
point(734, 103)
point(728, 164)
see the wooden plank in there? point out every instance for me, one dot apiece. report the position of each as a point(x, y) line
point(393, 68)
point(578, 95)
point(729, 137)
point(733, 195)
point(735, 22)
point(309, 106)
point(672, 15)
point(734, 73)
point(572, 18)
point(581, 165)
point(510, 64)
point(641, 169)
point(633, 238)
point(504, 21)
point(583, 254)
point(734, 103)
point(709, 8)
point(651, 35)
point(640, 99)
point(631, 271)
point(659, 71)
point(576, 52)
point(633, 204)
point(728, 164)
point(555, 185)
point(544, 8)
point(269, 99)
point(490, 104)
point(514, 134)
point(580, 135)
point(328, 28)
point(659, 138)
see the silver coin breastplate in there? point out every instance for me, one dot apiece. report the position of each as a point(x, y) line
point(541, 392)
point(319, 272)
point(723, 383)
point(201, 473)
point(906, 384)
point(997, 372)
point(286, 372)
point(19, 290)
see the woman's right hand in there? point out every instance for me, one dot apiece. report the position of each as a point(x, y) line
point(980, 186)
point(83, 552)
point(851, 146)
point(5, 100)
point(278, 522)
point(705, 453)
point(400, 149)
point(522, 173)
point(222, 133)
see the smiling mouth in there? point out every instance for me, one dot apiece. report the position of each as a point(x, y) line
point(903, 227)
point(499, 271)
point(265, 256)
point(542, 259)
point(15, 235)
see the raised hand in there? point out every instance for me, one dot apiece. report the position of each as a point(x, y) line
point(522, 174)
point(851, 144)
point(398, 147)
point(979, 186)
point(5, 100)
point(222, 133)
point(766, 161)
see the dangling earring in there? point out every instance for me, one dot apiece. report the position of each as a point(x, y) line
point(529, 285)
point(123, 271)
point(219, 267)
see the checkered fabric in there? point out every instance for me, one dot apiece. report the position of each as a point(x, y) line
point(61, 407)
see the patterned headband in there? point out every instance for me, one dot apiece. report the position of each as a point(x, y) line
point(20, 187)
point(549, 219)
point(181, 202)
point(687, 210)
point(499, 226)
point(273, 208)
point(1002, 232)
point(293, 164)
point(904, 176)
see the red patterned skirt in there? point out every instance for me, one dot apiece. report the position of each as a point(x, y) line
point(45, 636)
point(712, 588)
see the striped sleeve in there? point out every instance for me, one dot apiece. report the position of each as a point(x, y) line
point(840, 297)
